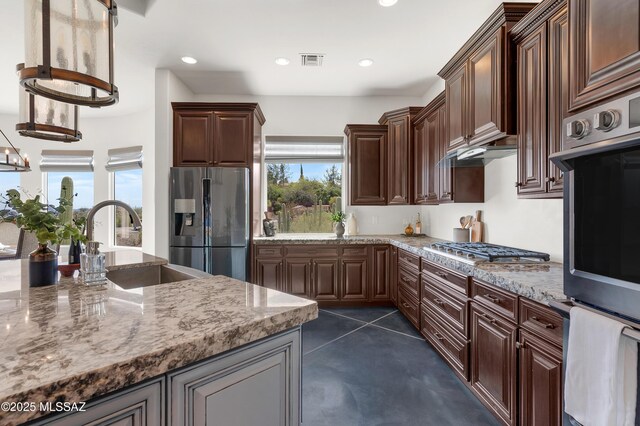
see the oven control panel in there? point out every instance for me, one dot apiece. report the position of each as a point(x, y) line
point(615, 119)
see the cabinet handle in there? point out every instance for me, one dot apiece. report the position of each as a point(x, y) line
point(542, 323)
point(441, 274)
point(406, 305)
point(439, 301)
point(488, 318)
point(492, 298)
point(438, 336)
point(518, 184)
point(520, 345)
point(550, 179)
point(446, 193)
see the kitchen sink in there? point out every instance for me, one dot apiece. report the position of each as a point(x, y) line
point(151, 275)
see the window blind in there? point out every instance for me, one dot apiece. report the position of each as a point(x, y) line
point(66, 161)
point(124, 159)
point(304, 148)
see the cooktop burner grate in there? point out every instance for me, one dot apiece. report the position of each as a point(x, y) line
point(490, 252)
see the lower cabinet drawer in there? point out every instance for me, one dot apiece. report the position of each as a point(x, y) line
point(409, 307)
point(451, 308)
point(409, 282)
point(453, 347)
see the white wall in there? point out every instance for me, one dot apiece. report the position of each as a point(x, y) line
point(99, 135)
point(168, 89)
point(530, 224)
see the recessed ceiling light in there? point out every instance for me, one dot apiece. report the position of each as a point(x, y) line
point(365, 62)
point(282, 61)
point(189, 60)
point(387, 3)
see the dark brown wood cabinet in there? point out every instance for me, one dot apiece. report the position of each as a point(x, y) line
point(605, 50)
point(494, 362)
point(543, 94)
point(427, 133)
point(382, 271)
point(368, 153)
point(193, 134)
point(480, 82)
point(216, 134)
point(400, 154)
point(268, 273)
point(354, 279)
point(233, 141)
point(326, 279)
point(540, 381)
point(393, 280)
point(298, 277)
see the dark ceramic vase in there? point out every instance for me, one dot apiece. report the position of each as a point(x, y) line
point(43, 266)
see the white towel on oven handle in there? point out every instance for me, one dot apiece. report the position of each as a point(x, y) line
point(601, 377)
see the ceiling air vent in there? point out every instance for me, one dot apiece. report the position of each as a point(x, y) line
point(311, 59)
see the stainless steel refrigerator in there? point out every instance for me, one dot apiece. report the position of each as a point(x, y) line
point(210, 223)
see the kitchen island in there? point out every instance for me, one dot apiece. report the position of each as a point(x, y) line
point(129, 352)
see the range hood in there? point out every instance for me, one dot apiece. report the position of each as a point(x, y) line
point(477, 156)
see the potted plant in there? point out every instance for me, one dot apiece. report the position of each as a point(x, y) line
point(338, 218)
point(46, 223)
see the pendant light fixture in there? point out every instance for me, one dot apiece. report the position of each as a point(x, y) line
point(44, 118)
point(13, 161)
point(69, 51)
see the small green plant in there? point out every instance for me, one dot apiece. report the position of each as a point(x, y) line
point(44, 220)
point(338, 217)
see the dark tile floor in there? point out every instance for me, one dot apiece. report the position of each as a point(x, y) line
point(370, 367)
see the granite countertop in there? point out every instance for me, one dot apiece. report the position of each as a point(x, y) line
point(71, 342)
point(538, 281)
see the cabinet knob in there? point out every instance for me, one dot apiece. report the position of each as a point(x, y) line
point(550, 179)
point(518, 184)
point(520, 345)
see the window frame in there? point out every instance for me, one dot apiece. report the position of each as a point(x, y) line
point(293, 160)
point(112, 213)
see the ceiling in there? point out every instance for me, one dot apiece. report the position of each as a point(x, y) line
point(236, 42)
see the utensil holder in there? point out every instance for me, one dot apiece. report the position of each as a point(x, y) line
point(461, 235)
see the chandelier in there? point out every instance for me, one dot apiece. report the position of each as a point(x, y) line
point(69, 51)
point(13, 162)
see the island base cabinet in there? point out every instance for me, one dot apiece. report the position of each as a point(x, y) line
point(140, 405)
point(254, 386)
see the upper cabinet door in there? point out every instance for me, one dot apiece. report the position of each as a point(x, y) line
point(532, 112)
point(605, 49)
point(192, 138)
point(233, 145)
point(445, 172)
point(399, 160)
point(421, 168)
point(485, 90)
point(434, 134)
point(368, 165)
point(456, 115)
point(558, 86)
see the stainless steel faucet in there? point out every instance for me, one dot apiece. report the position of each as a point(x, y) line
point(137, 224)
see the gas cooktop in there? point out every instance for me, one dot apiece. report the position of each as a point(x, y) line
point(484, 252)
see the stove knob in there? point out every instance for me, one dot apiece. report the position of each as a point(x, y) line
point(606, 120)
point(449, 250)
point(459, 253)
point(578, 129)
point(470, 256)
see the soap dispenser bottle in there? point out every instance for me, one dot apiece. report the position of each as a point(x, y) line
point(92, 264)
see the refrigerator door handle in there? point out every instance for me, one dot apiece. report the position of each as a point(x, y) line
point(206, 210)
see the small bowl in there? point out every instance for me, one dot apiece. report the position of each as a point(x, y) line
point(68, 270)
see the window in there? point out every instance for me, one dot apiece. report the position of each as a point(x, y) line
point(8, 180)
point(82, 188)
point(126, 167)
point(304, 182)
point(127, 187)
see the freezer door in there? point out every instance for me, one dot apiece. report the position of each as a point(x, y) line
point(196, 258)
point(187, 206)
point(229, 206)
point(230, 261)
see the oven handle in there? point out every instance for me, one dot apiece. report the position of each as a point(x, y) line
point(563, 307)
